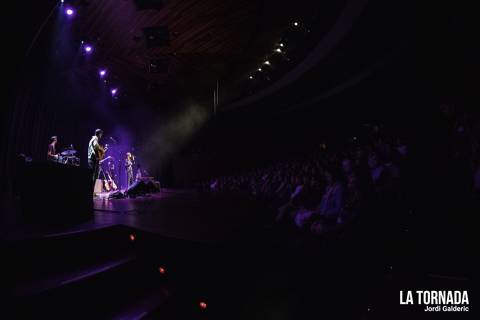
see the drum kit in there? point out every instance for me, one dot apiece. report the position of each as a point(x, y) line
point(68, 157)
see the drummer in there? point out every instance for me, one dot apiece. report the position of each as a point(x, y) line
point(52, 154)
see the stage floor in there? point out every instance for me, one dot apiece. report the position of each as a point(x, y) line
point(181, 214)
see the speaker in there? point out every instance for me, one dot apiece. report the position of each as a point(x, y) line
point(156, 36)
point(143, 186)
point(117, 194)
point(149, 4)
point(39, 186)
point(158, 66)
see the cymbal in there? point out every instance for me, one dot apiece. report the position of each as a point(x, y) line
point(68, 152)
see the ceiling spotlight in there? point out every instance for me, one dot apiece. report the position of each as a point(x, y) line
point(88, 48)
point(267, 62)
point(102, 73)
point(114, 91)
point(69, 11)
point(251, 77)
point(62, 1)
point(278, 50)
point(260, 69)
point(295, 24)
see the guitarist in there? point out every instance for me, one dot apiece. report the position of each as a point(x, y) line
point(95, 153)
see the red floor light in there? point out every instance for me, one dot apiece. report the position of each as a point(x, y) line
point(203, 305)
point(161, 270)
point(132, 237)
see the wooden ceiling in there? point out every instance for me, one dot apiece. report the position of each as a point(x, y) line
point(205, 36)
point(209, 40)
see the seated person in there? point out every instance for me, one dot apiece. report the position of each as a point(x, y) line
point(330, 206)
point(351, 208)
point(294, 202)
point(52, 154)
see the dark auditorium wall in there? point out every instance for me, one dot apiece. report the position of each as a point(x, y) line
point(391, 95)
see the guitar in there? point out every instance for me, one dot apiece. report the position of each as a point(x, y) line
point(101, 151)
point(106, 185)
point(111, 183)
point(101, 161)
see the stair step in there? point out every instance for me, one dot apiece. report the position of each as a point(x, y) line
point(40, 258)
point(97, 295)
point(144, 305)
point(36, 286)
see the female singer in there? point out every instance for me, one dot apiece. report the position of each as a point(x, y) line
point(129, 162)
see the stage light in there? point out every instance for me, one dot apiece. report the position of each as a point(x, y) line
point(250, 77)
point(132, 237)
point(69, 11)
point(278, 50)
point(161, 270)
point(295, 24)
point(88, 48)
point(102, 73)
point(260, 69)
point(114, 91)
point(62, 1)
point(281, 45)
point(267, 62)
point(203, 305)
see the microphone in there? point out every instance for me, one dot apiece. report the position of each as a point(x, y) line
point(113, 140)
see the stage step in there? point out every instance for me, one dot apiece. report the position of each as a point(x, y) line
point(143, 305)
point(104, 274)
point(123, 289)
point(45, 257)
point(37, 286)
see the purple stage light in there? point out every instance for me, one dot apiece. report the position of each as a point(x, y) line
point(69, 11)
point(88, 48)
point(102, 73)
point(114, 91)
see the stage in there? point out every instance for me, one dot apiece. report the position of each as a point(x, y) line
point(175, 213)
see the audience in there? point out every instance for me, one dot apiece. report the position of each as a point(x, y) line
point(334, 188)
point(325, 191)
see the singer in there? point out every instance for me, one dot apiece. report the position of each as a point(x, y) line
point(129, 162)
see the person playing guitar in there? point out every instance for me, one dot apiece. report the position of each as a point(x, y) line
point(96, 152)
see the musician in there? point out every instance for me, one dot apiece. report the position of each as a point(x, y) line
point(95, 153)
point(52, 154)
point(129, 162)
